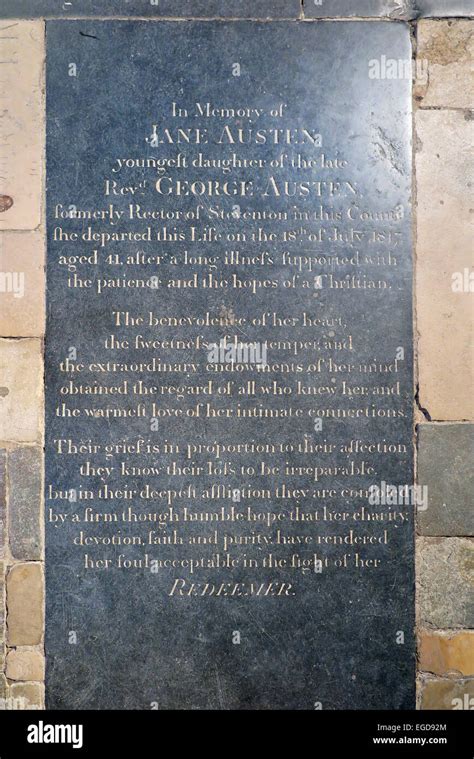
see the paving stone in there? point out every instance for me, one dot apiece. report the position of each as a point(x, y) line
point(447, 695)
point(25, 598)
point(2, 601)
point(23, 664)
point(445, 231)
point(21, 187)
point(399, 9)
point(3, 503)
point(24, 487)
point(146, 9)
point(22, 284)
point(29, 695)
point(446, 49)
point(21, 390)
point(395, 9)
point(445, 456)
point(2, 616)
point(446, 653)
point(445, 578)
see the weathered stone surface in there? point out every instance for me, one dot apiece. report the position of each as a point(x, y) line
point(430, 8)
point(3, 503)
point(227, 8)
point(25, 599)
point(2, 616)
point(28, 695)
point(446, 653)
point(445, 230)
point(396, 9)
point(399, 9)
point(25, 665)
point(145, 8)
point(445, 456)
point(3, 688)
point(25, 524)
point(352, 660)
point(2, 601)
point(22, 282)
point(23, 122)
point(447, 694)
point(446, 48)
point(445, 577)
point(21, 390)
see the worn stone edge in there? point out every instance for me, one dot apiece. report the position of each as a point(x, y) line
point(8, 560)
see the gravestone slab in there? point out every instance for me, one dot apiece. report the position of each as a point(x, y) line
point(228, 366)
point(145, 8)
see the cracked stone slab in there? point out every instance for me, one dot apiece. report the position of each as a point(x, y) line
point(445, 229)
point(445, 578)
point(446, 653)
point(260, 9)
point(24, 487)
point(445, 456)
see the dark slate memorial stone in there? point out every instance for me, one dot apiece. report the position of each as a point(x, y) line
point(396, 9)
point(150, 9)
point(444, 8)
point(229, 366)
